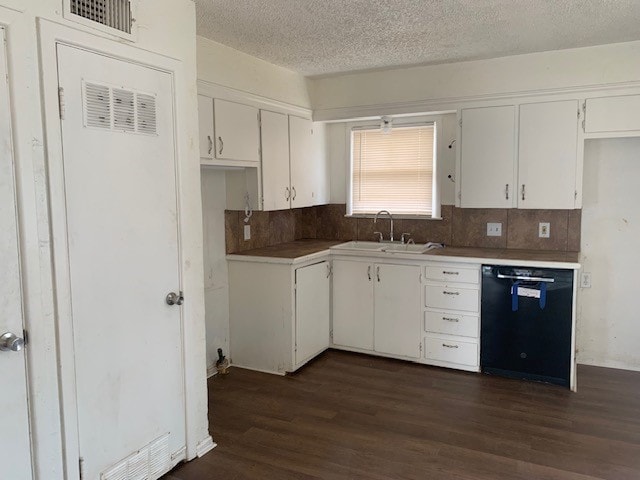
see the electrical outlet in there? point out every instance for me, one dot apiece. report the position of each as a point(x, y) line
point(544, 230)
point(494, 229)
point(247, 232)
point(585, 281)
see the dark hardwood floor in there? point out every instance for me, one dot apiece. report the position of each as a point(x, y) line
point(349, 416)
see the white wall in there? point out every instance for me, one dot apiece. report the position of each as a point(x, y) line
point(604, 64)
point(338, 153)
point(608, 326)
point(167, 27)
point(223, 65)
point(216, 275)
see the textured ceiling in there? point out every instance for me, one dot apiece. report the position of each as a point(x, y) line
point(317, 37)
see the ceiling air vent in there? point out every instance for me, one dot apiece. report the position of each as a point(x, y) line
point(112, 13)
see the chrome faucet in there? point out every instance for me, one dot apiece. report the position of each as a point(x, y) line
point(375, 220)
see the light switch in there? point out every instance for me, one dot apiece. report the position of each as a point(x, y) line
point(544, 230)
point(247, 232)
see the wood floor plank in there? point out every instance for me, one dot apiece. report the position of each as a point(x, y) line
point(349, 416)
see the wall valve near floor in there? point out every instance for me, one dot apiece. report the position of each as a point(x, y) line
point(175, 298)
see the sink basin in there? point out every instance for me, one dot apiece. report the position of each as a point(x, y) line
point(406, 248)
point(361, 246)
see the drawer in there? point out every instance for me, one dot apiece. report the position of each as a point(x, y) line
point(462, 353)
point(452, 323)
point(452, 274)
point(452, 298)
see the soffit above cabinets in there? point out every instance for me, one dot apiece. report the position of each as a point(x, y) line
point(321, 37)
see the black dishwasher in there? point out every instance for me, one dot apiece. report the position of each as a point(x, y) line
point(526, 323)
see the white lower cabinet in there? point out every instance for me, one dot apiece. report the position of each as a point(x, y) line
point(353, 304)
point(397, 310)
point(279, 313)
point(376, 307)
point(452, 316)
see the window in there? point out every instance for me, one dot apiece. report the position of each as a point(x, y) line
point(393, 171)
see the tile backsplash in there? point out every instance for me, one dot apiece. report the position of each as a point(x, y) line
point(459, 227)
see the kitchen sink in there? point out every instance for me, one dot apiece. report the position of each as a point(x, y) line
point(405, 248)
point(361, 246)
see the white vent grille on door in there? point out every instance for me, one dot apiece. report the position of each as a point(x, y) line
point(149, 463)
point(119, 109)
point(112, 13)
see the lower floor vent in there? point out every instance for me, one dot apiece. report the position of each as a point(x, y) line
point(149, 463)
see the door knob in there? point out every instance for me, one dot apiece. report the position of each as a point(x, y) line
point(175, 298)
point(10, 343)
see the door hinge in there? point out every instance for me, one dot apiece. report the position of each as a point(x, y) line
point(420, 348)
point(25, 337)
point(460, 122)
point(584, 115)
point(81, 467)
point(575, 195)
point(61, 103)
point(331, 334)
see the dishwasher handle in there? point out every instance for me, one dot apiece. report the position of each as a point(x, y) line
point(525, 278)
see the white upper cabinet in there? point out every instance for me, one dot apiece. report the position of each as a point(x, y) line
point(619, 114)
point(304, 184)
point(276, 187)
point(487, 157)
point(205, 121)
point(547, 155)
point(237, 135)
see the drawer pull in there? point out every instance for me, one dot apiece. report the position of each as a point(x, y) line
point(448, 319)
point(444, 272)
point(450, 293)
point(449, 346)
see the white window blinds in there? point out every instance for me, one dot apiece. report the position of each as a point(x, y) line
point(393, 171)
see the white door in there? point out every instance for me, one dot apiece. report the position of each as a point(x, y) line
point(353, 304)
point(548, 154)
point(488, 157)
point(237, 131)
point(205, 124)
point(397, 308)
point(312, 311)
point(120, 193)
point(303, 178)
point(274, 132)
point(15, 447)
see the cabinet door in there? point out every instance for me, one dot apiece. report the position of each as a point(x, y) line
point(312, 311)
point(205, 123)
point(274, 134)
point(303, 181)
point(612, 114)
point(397, 310)
point(487, 157)
point(353, 304)
point(548, 152)
point(237, 131)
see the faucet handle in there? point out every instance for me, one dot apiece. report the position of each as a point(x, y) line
point(402, 238)
point(380, 237)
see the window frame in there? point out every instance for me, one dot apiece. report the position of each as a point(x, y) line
point(409, 121)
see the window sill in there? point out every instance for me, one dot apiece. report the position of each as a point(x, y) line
point(395, 217)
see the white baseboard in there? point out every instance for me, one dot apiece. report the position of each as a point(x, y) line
point(211, 370)
point(205, 446)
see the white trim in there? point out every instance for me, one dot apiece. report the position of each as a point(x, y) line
point(205, 446)
point(215, 90)
point(212, 371)
point(451, 104)
point(259, 370)
point(52, 34)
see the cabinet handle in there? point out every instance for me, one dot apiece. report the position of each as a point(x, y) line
point(449, 346)
point(523, 195)
point(378, 273)
point(221, 145)
point(210, 144)
point(444, 272)
point(449, 319)
point(293, 192)
point(369, 272)
point(287, 193)
point(450, 293)
point(506, 191)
